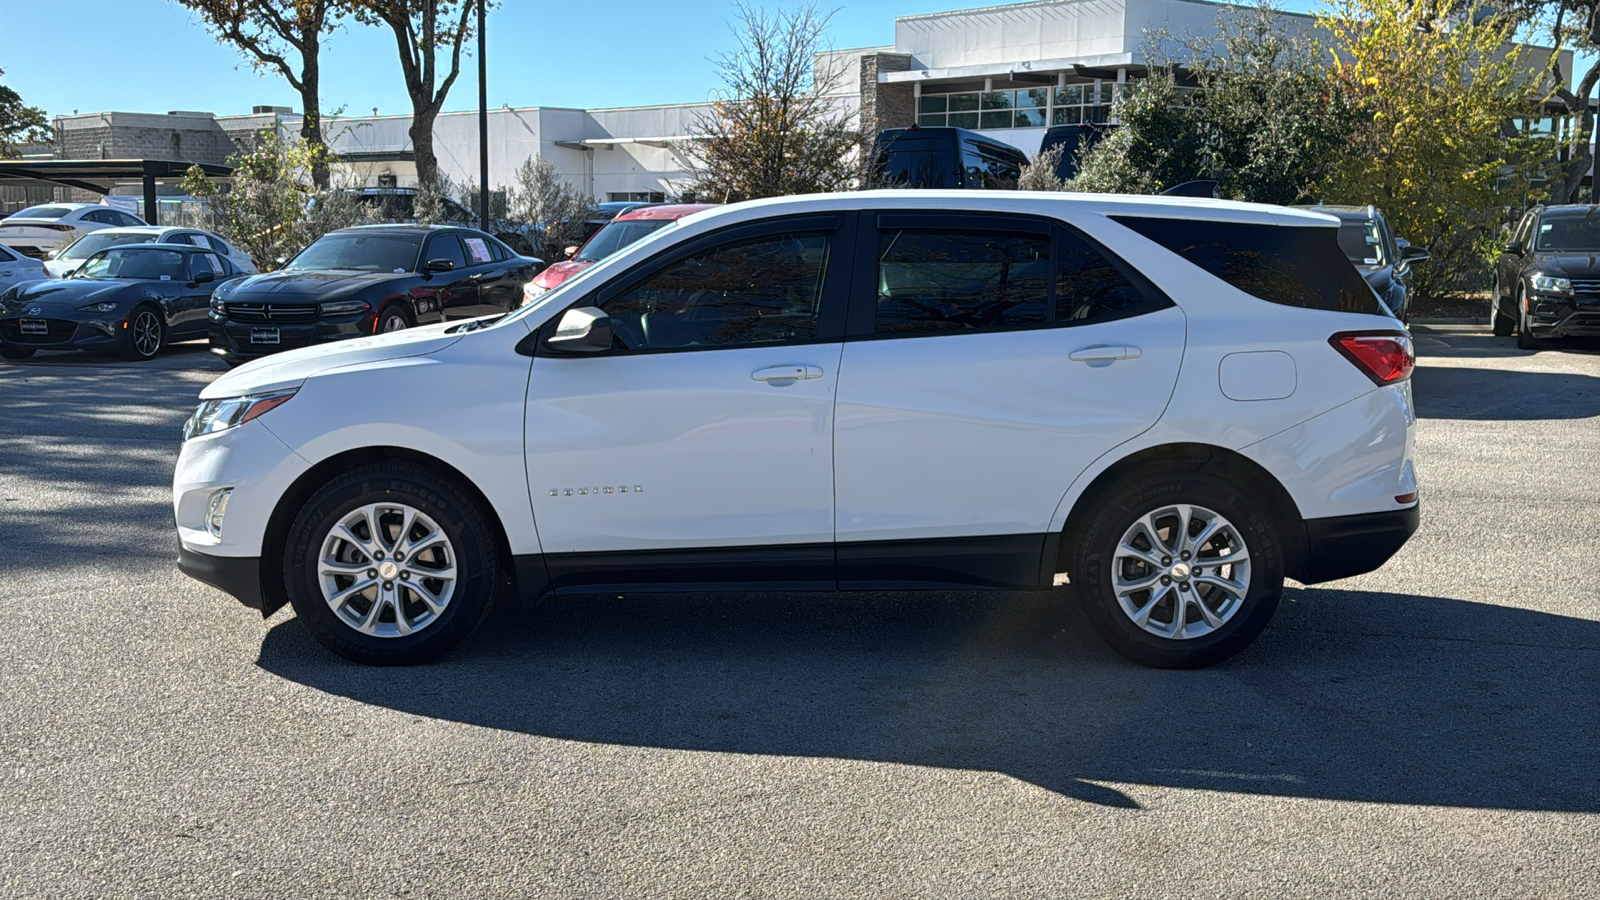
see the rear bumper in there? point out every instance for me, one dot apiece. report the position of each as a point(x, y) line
point(1343, 546)
point(239, 576)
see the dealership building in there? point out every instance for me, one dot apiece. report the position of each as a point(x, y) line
point(1006, 71)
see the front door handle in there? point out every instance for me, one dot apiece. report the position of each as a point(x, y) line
point(1103, 353)
point(786, 373)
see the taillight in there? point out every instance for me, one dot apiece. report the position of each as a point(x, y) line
point(55, 227)
point(1384, 356)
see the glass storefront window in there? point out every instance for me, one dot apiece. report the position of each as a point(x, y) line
point(964, 120)
point(932, 103)
point(1030, 118)
point(1067, 115)
point(963, 102)
point(930, 119)
point(1071, 104)
point(1039, 97)
point(997, 100)
point(1071, 95)
point(999, 119)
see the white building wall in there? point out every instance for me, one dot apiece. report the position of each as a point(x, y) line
point(1064, 29)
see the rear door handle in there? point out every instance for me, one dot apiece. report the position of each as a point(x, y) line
point(786, 373)
point(1103, 353)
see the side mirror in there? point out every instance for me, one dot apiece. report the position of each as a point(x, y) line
point(570, 252)
point(1418, 254)
point(1514, 248)
point(440, 265)
point(204, 277)
point(584, 329)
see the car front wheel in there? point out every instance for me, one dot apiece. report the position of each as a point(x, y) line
point(393, 318)
point(143, 334)
point(1525, 338)
point(1177, 569)
point(389, 564)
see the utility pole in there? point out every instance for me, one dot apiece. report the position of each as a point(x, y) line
point(483, 127)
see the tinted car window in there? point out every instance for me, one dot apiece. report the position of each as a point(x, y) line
point(1361, 242)
point(135, 263)
point(617, 235)
point(989, 167)
point(203, 262)
point(1090, 288)
point(41, 212)
point(126, 220)
point(1575, 230)
point(1292, 265)
point(758, 291)
point(95, 241)
point(938, 281)
point(371, 252)
point(907, 162)
point(446, 246)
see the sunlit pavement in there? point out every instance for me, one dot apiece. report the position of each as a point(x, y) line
point(1427, 730)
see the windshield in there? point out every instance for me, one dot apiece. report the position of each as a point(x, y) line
point(151, 263)
point(95, 241)
point(1361, 242)
point(617, 235)
point(1577, 231)
point(41, 212)
point(379, 252)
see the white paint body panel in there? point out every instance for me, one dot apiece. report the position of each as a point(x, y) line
point(964, 434)
point(724, 459)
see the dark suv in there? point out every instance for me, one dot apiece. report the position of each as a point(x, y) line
point(1382, 259)
point(1547, 280)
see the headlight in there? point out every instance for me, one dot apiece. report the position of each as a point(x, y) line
point(219, 415)
point(1549, 284)
point(99, 307)
point(343, 307)
point(532, 292)
point(216, 304)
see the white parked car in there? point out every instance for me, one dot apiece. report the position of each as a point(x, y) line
point(67, 261)
point(16, 268)
point(1170, 404)
point(40, 231)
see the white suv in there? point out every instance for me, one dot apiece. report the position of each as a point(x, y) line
point(1171, 404)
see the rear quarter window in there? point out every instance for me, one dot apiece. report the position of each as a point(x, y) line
point(1286, 264)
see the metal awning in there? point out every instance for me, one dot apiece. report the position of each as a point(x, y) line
point(101, 175)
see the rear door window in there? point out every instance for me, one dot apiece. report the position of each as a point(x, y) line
point(1286, 264)
point(937, 281)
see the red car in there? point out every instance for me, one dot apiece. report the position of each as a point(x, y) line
point(618, 233)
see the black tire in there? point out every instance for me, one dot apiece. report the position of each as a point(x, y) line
point(1501, 324)
point(392, 313)
point(1112, 513)
point(145, 334)
point(16, 353)
point(472, 541)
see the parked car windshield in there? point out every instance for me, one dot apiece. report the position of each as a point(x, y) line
point(1361, 242)
point(377, 252)
point(617, 235)
point(95, 241)
point(1576, 231)
point(151, 263)
point(41, 212)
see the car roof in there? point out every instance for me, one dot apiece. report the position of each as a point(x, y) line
point(146, 229)
point(180, 248)
point(1025, 202)
point(1587, 207)
point(670, 212)
point(1343, 212)
point(404, 228)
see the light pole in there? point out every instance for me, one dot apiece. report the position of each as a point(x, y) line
point(483, 127)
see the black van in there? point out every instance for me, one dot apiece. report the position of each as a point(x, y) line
point(1073, 139)
point(943, 158)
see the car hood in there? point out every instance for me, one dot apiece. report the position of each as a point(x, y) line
point(72, 292)
point(316, 283)
point(290, 369)
point(553, 276)
point(1567, 263)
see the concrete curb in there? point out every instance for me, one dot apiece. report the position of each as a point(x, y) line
point(1459, 320)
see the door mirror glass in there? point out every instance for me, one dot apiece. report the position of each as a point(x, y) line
point(570, 252)
point(204, 277)
point(1514, 248)
point(584, 329)
point(1417, 254)
point(440, 265)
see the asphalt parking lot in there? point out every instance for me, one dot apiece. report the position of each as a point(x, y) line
point(1431, 729)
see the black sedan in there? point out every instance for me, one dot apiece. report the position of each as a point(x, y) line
point(1547, 280)
point(132, 299)
point(364, 280)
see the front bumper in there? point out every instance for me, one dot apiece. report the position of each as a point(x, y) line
point(232, 340)
point(1559, 316)
point(1343, 546)
point(239, 576)
point(63, 334)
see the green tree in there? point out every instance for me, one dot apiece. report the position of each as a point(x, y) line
point(423, 29)
point(1436, 83)
point(283, 36)
point(1259, 113)
point(540, 197)
point(19, 123)
point(774, 129)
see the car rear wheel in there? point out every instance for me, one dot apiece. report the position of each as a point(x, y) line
point(144, 334)
point(393, 318)
point(16, 353)
point(390, 564)
point(1177, 569)
point(1501, 324)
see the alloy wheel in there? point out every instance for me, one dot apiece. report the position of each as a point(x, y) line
point(146, 332)
point(1181, 572)
point(393, 322)
point(387, 570)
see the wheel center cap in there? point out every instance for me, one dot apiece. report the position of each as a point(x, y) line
point(387, 570)
point(1180, 572)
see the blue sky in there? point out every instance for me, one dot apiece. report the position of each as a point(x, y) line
point(154, 56)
